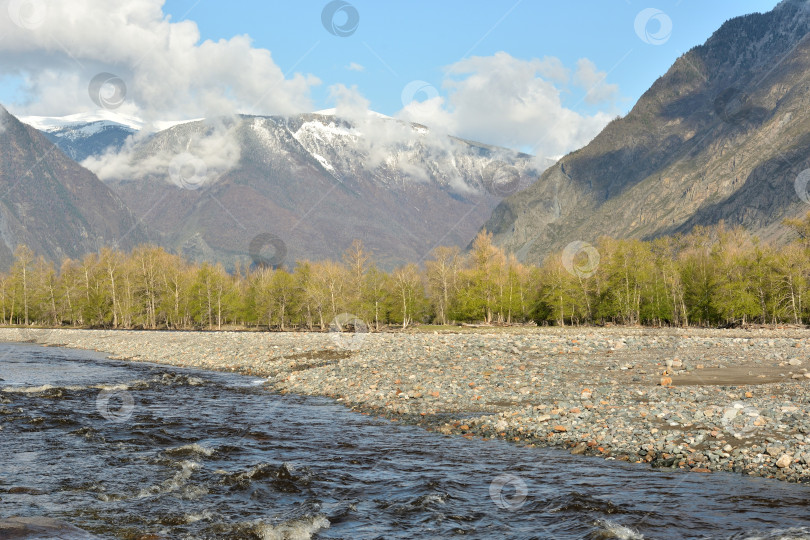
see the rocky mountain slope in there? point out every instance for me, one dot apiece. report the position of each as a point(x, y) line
point(723, 135)
point(272, 189)
point(51, 203)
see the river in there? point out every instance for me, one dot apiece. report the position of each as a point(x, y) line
point(131, 450)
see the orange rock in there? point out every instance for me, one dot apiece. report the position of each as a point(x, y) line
point(576, 410)
point(749, 394)
point(464, 427)
point(701, 469)
point(560, 428)
point(434, 394)
point(666, 381)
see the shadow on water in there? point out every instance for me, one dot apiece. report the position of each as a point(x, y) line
point(131, 450)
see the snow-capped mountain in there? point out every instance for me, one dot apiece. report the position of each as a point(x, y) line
point(316, 181)
point(54, 123)
point(91, 134)
point(84, 140)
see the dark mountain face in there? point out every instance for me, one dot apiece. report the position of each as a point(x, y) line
point(723, 135)
point(213, 189)
point(80, 141)
point(51, 203)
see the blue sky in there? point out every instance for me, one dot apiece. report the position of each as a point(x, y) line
point(397, 41)
point(542, 77)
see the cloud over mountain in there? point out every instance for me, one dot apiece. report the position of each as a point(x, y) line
point(515, 103)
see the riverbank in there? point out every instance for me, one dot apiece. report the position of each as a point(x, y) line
point(733, 400)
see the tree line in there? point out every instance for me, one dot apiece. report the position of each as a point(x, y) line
point(710, 277)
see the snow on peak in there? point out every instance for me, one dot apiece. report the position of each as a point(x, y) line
point(105, 117)
point(53, 123)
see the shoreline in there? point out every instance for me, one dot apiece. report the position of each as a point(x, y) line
point(738, 400)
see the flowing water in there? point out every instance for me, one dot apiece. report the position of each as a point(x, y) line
point(129, 450)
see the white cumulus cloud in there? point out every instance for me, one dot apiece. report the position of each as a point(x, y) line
point(169, 72)
point(516, 103)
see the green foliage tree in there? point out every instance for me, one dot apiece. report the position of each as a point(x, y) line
point(711, 276)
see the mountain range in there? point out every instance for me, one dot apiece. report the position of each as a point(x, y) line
point(724, 135)
point(250, 189)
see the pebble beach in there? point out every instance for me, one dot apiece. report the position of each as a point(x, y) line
point(699, 400)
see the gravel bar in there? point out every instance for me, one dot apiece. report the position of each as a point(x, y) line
point(699, 400)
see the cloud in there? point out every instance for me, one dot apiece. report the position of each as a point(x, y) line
point(354, 66)
point(218, 149)
point(349, 102)
point(510, 102)
point(593, 82)
point(168, 71)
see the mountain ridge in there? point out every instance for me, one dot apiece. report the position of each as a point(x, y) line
point(721, 118)
point(316, 181)
point(51, 203)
